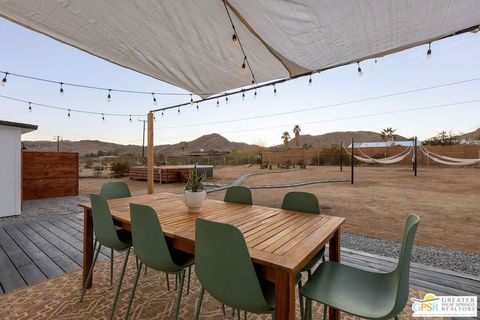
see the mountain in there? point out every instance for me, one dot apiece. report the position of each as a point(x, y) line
point(471, 136)
point(207, 142)
point(334, 138)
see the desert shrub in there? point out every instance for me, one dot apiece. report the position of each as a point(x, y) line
point(89, 163)
point(378, 156)
point(120, 167)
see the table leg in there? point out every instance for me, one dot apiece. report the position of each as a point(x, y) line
point(334, 255)
point(284, 295)
point(87, 245)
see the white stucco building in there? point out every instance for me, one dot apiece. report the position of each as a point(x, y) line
point(11, 165)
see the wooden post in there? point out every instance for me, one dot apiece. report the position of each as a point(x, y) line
point(150, 154)
point(415, 161)
point(351, 178)
point(341, 156)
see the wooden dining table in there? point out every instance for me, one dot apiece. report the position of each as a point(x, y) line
point(280, 242)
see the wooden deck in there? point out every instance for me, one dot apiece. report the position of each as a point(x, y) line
point(36, 251)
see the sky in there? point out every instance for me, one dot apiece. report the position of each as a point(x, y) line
point(332, 100)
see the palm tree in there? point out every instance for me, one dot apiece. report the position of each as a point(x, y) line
point(297, 130)
point(388, 134)
point(285, 138)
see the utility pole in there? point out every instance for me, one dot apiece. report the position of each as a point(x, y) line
point(143, 143)
point(58, 138)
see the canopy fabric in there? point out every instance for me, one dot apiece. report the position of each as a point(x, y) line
point(188, 43)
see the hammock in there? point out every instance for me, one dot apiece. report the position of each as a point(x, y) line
point(455, 162)
point(386, 158)
point(389, 160)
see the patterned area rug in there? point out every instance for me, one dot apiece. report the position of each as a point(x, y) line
point(58, 298)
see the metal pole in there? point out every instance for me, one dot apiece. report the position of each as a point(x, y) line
point(352, 159)
point(143, 143)
point(415, 163)
point(341, 156)
point(150, 158)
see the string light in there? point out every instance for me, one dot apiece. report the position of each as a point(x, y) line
point(68, 115)
point(154, 99)
point(429, 51)
point(310, 81)
point(109, 97)
point(4, 80)
point(178, 110)
point(29, 107)
point(218, 103)
point(191, 99)
point(234, 40)
point(226, 99)
point(130, 118)
point(243, 69)
point(375, 60)
point(198, 107)
point(274, 90)
point(103, 118)
point(61, 89)
point(255, 93)
point(162, 114)
point(243, 95)
point(359, 69)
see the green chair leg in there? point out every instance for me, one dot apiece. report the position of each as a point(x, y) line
point(245, 315)
point(325, 311)
point(238, 314)
point(180, 291)
point(111, 266)
point(273, 315)
point(199, 305)
point(308, 309)
point(189, 276)
point(168, 281)
point(176, 282)
point(137, 276)
point(396, 317)
point(90, 272)
point(119, 285)
point(223, 309)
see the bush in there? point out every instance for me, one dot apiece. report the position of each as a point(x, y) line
point(88, 163)
point(120, 167)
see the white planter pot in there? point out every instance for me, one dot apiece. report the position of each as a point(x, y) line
point(194, 200)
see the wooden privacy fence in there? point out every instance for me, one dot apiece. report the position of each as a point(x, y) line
point(49, 174)
point(327, 157)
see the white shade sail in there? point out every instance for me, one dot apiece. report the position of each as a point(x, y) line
point(189, 43)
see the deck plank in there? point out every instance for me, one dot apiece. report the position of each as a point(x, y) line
point(24, 265)
point(9, 277)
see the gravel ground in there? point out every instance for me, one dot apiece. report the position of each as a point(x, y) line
point(437, 257)
point(40, 209)
point(453, 260)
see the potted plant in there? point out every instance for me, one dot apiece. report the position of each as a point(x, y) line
point(195, 195)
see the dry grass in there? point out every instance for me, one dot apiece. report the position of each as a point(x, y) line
point(447, 199)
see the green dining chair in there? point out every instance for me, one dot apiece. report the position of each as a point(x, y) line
point(362, 293)
point(225, 270)
point(238, 194)
point(108, 236)
point(304, 202)
point(114, 190)
point(153, 251)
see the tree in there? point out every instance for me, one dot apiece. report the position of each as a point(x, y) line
point(443, 138)
point(388, 134)
point(296, 131)
point(184, 147)
point(286, 139)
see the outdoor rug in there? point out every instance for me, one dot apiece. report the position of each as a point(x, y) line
point(58, 298)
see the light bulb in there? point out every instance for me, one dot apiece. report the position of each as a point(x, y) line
point(4, 80)
point(130, 119)
point(255, 94)
point(109, 97)
point(178, 111)
point(429, 51)
point(243, 96)
point(310, 81)
point(197, 107)
point(61, 89)
point(30, 107)
point(234, 40)
point(218, 103)
point(191, 99)
point(154, 99)
point(244, 67)
point(359, 70)
point(103, 118)
point(68, 115)
point(162, 114)
point(226, 99)
point(274, 90)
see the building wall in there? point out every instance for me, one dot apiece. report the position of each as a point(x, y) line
point(10, 196)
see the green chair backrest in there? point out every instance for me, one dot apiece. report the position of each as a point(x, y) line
point(301, 201)
point(115, 190)
point(238, 194)
point(402, 272)
point(148, 239)
point(103, 226)
point(224, 267)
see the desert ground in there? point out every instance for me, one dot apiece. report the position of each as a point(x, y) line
point(446, 199)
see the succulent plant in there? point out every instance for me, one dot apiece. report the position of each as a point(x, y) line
point(194, 182)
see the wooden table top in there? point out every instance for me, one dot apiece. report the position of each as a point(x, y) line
point(275, 237)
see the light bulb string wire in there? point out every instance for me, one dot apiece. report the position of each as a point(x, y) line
point(84, 86)
point(31, 103)
point(245, 58)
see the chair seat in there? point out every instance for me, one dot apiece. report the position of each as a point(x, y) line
point(316, 259)
point(182, 259)
point(358, 292)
